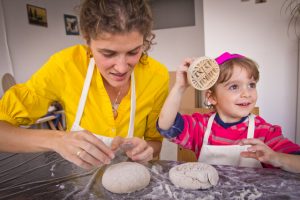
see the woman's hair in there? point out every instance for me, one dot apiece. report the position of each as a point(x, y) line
point(116, 17)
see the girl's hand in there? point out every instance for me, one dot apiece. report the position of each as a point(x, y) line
point(181, 73)
point(84, 149)
point(260, 151)
point(140, 151)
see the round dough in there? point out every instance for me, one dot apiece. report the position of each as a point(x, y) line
point(194, 175)
point(203, 73)
point(125, 177)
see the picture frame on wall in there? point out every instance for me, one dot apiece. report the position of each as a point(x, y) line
point(37, 15)
point(71, 25)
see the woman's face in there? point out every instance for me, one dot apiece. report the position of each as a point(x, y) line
point(236, 97)
point(116, 55)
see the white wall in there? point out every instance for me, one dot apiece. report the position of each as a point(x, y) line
point(31, 45)
point(258, 31)
point(173, 45)
point(5, 63)
point(298, 98)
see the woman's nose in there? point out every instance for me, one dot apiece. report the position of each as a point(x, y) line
point(121, 64)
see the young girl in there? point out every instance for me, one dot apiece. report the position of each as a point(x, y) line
point(231, 135)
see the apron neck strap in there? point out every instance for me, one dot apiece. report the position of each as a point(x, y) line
point(132, 107)
point(251, 127)
point(84, 95)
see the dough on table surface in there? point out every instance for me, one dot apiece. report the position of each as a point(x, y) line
point(194, 175)
point(125, 177)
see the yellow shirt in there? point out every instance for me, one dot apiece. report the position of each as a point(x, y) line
point(61, 79)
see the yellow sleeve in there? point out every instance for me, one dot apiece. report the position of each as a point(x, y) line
point(151, 132)
point(22, 106)
point(24, 103)
point(56, 80)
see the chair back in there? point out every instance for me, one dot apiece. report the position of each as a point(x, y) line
point(7, 81)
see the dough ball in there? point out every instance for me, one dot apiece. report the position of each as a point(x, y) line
point(125, 177)
point(194, 175)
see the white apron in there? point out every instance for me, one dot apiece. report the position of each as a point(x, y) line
point(227, 154)
point(77, 127)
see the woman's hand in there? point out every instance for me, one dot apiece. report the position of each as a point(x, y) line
point(140, 151)
point(260, 151)
point(84, 149)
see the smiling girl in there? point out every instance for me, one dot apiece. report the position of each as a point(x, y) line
point(231, 135)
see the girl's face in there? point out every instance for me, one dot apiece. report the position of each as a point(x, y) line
point(235, 98)
point(116, 55)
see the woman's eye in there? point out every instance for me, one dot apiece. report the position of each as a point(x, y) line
point(108, 55)
point(233, 87)
point(133, 53)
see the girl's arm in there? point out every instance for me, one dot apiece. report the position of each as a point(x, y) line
point(171, 106)
point(260, 151)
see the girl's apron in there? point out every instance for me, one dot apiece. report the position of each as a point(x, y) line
point(77, 127)
point(227, 154)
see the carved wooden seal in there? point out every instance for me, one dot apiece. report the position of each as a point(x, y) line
point(203, 73)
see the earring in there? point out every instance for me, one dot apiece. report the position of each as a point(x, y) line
point(207, 103)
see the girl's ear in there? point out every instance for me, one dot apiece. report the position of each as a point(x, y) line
point(209, 98)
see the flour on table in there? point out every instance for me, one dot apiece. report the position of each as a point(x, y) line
point(125, 177)
point(194, 175)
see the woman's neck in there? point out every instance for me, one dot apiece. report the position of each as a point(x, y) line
point(116, 94)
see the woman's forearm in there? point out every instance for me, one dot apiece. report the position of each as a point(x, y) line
point(15, 139)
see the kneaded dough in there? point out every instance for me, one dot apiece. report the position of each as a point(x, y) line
point(125, 177)
point(194, 175)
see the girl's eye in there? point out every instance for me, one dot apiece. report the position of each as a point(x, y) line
point(233, 87)
point(252, 85)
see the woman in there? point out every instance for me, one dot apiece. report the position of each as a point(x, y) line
point(109, 89)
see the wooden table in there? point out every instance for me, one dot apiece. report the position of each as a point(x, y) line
point(48, 176)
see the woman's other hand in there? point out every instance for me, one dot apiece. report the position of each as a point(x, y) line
point(141, 151)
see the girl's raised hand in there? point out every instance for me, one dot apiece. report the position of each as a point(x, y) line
point(181, 73)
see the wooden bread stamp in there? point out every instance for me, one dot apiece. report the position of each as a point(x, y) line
point(203, 73)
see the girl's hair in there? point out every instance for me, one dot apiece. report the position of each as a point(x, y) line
point(226, 70)
point(116, 17)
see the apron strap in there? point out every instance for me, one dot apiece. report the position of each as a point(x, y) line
point(132, 107)
point(208, 128)
point(84, 93)
point(251, 126)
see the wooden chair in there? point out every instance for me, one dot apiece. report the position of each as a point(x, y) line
point(7, 81)
point(187, 155)
point(50, 120)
